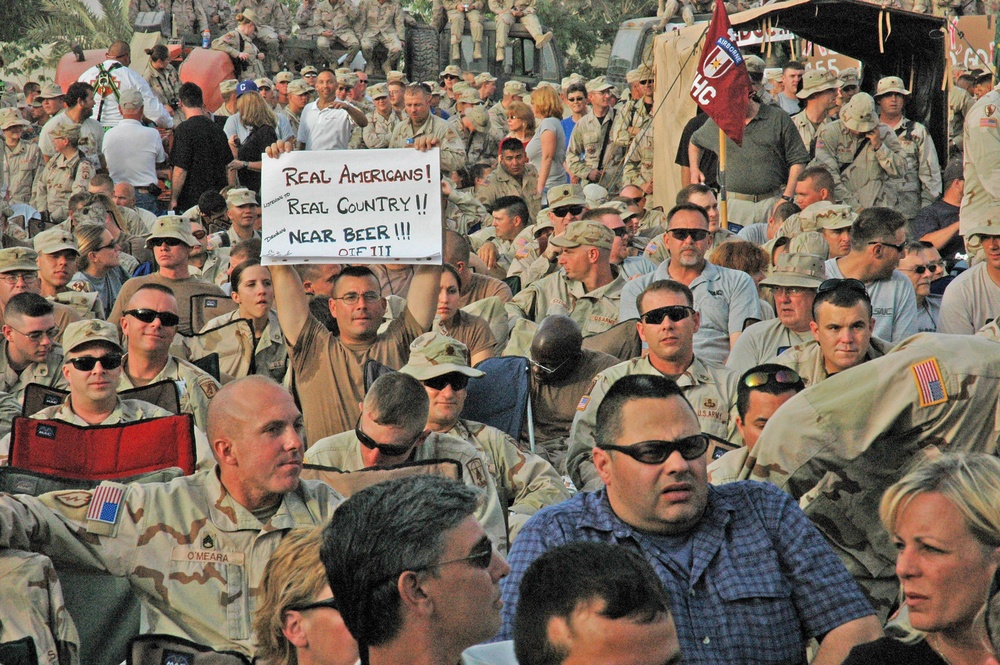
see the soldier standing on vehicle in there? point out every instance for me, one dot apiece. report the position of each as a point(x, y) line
point(383, 25)
point(187, 16)
point(330, 23)
point(922, 179)
point(508, 13)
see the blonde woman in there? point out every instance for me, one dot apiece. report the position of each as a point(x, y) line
point(547, 148)
point(238, 45)
point(99, 263)
point(297, 621)
point(944, 518)
point(256, 115)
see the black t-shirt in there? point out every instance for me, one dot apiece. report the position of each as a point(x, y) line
point(200, 147)
point(709, 162)
point(935, 217)
point(887, 651)
point(251, 150)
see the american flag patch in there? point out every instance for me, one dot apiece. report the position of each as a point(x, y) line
point(930, 385)
point(105, 503)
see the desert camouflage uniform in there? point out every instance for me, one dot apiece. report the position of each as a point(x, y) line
point(500, 183)
point(594, 312)
point(587, 139)
point(383, 23)
point(464, 211)
point(921, 184)
point(498, 122)
point(273, 19)
point(652, 222)
point(525, 482)
point(457, 18)
point(452, 151)
point(230, 44)
point(807, 130)
point(838, 459)
point(293, 120)
point(61, 179)
point(505, 19)
point(808, 362)
point(34, 606)
point(193, 555)
point(195, 387)
point(631, 117)
point(638, 169)
point(336, 16)
point(870, 179)
point(21, 167)
point(219, 12)
point(710, 390)
point(48, 373)
point(236, 347)
point(478, 145)
point(959, 104)
point(86, 302)
point(343, 451)
point(378, 132)
point(189, 17)
point(166, 85)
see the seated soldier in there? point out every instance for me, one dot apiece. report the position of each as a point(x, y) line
point(149, 324)
point(526, 481)
point(57, 264)
point(214, 531)
point(475, 286)
point(509, 12)
point(842, 325)
point(19, 274)
point(510, 234)
point(30, 352)
point(390, 431)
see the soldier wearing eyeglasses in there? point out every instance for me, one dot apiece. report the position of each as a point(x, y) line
point(30, 353)
point(391, 431)
point(667, 325)
point(751, 580)
point(19, 274)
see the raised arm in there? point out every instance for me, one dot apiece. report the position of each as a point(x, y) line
point(292, 302)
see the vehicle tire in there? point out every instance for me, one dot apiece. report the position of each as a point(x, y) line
point(422, 56)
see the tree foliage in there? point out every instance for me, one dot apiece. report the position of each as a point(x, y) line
point(65, 23)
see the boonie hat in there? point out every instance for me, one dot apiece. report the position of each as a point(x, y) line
point(817, 80)
point(228, 86)
point(18, 258)
point(83, 332)
point(891, 84)
point(50, 91)
point(859, 114)
point(794, 269)
point(585, 232)
point(55, 240)
point(172, 226)
point(433, 354)
point(11, 118)
point(514, 88)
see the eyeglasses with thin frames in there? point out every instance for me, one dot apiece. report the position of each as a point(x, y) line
point(11, 278)
point(352, 297)
point(37, 336)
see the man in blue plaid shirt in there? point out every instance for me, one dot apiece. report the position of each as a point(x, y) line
point(751, 579)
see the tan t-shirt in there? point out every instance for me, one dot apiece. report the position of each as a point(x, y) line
point(480, 287)
point(183, 290)
point(329, 375)
point(471, 330)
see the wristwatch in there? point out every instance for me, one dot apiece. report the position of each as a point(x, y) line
point(786, 197)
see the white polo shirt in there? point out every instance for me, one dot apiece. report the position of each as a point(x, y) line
point(325, 129)
point(132, 153)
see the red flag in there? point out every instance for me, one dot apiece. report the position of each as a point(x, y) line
point(721, 84)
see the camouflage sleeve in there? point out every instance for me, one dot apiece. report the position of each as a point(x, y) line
point(225, 43)
point(500, 6)
point(523, 305)
point(574, 162)
point(199, 10)
point(930, 169)
point(890, 154)
point(399, 23)
point(470, 209)
point(304, 18)
point(579, 456)
point(39, 193)
point(34, 606)
point(826, 156)
point(452, 151)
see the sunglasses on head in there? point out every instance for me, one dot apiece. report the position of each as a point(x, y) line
point(657, 452)
point(675, 313)
point(782, 377)
point(899, 248)
point(87, 363)
point(386, 449)
point(562, 211)
point(683, 234)
point(167, 319)
point(330, 603)
point(850, 284)
point(169, 242)
point(456, 380)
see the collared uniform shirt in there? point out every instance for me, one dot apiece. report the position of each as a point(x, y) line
point(594, 311)
point(861, 179)
point(452, 150)
point(61, 178)
point(236, 348)
point(981, 146)
point(48, 373)
point(21, 165)
point(378, 131)
point(761, 343)
point(500, 183)
point(195, 387)
point(809, 363)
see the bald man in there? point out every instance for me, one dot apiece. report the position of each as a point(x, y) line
point(251, 498)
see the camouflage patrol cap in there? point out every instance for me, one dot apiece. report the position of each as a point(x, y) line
point(599, 83)
point(514, 88)
point(50, 91)
point(988, 226)
point(69, 131)
point(565, 195)
point(264, 83)
point(308, 70)
point(172, 226)
point(240, 196)
point(452, 70)
point(284, 77)
point(793, 269)
point(83, 332)
point(810, 242)
point(433, 354)
point(889, 84)
point(6, 211)
point(299, 87)
point(395, 75)
point(228, 86)
point(55, 240)
point(755, 65)
point(484, 77)
point(378, 91)
point(469, 96)
point(479, 116)
point(849, 77)
point(349, 79)
point(95, 212)
point(859, 114)
point(434, 86)
point(11, 118)
point(18, 258)
point(827, 215)
point(588, 232)
point(462, 86)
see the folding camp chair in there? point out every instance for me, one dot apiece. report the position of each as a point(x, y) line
point(162, 393)
point(349, 482)
point(232, 344)
point(205, 307)
point(502, 398)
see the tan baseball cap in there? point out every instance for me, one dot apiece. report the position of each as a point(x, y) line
point(55, 240)
point(378, 91)
point(827, 215)
point(299, 87)
point(452, 70)
point(755, 64)
point(565, 195)
point(595, 195)
point(597, 84)
point(989, 226)
point(284, 77)
point(514, 88)
point(83, 332)
point(18, 258)
point(891, 84)
point(240, 196)
point(172, 226)
point(620, 207)
point(859, 114)
point(433, 354)
point(50, 91)
point(817, 80)
point(794, 269)
point(585, 232)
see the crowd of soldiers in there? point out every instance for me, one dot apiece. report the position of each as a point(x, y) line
point(849, 254)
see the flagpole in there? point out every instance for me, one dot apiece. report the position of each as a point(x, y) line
point(723, 196)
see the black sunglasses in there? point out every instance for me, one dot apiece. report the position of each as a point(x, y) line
point(456, 380)
point(899, 248)
point(657, 452)
point(168, 319)
point(621, 231)
point(783, 377)
point(169, 242)
point(675, 313)
point(683, 234)
point(837, 283)
point(330, 603)
point(562, 211)
point(87, 363)
point(385, 449)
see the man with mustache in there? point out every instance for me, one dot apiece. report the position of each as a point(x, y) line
point(750, 578)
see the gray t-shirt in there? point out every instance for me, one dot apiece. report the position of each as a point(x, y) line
point(969, 302)
point(894, 304)
point(557, 174)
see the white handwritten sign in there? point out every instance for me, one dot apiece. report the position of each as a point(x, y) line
point(352, 206)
